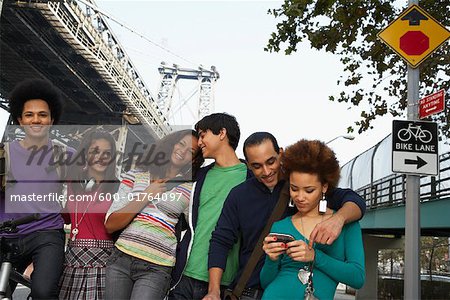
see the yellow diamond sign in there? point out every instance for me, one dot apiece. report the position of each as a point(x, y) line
point(414, 35)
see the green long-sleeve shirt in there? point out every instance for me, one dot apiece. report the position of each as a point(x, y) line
point(343, 261)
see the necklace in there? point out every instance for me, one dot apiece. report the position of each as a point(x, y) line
point(301, 224)
point(305, 273)
point(78, 222)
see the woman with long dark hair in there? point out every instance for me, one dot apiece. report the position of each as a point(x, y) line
point(91, 187)
point(147, 210)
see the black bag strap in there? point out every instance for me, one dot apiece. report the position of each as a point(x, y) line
point(277, 213)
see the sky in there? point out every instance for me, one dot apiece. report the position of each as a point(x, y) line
point(285, 95)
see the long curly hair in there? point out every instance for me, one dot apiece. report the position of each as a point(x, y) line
point(312, 157)
point(165, 147)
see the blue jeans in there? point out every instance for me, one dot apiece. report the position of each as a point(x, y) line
point(128, 277)
point(190, 288)
point(45, 249)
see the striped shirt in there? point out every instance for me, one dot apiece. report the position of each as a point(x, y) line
point(151, 234)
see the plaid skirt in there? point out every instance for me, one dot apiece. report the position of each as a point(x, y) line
point(85, 269)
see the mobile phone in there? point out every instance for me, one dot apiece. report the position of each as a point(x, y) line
point(282, 238)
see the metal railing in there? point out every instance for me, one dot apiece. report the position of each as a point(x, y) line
point(390, 190)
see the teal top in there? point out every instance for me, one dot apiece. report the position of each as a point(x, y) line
point(343, 261)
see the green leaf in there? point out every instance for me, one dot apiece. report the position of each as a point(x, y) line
point(349, 29)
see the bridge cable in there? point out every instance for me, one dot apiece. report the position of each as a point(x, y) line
point(98, 10)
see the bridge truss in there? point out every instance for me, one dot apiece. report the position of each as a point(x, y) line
point(72, 45)
point(171, 74)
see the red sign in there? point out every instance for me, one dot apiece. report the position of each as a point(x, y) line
point(414, 43)
point(431, 104)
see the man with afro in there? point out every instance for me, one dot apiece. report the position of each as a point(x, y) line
point(35, 105)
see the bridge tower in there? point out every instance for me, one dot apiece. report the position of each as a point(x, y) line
point(169, 77)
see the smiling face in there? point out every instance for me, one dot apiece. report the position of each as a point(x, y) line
point(264, 162)
point(99, 156)
point(306, 191)
point(184, 151)
point(36, 119)
point(210, 143)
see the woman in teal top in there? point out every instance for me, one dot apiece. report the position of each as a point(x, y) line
point(313, 170)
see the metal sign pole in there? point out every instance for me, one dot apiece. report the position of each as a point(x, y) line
point(412, 208)
point(414, 35)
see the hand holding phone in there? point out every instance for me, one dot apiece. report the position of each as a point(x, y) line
point(282, 238)
point(273, 251)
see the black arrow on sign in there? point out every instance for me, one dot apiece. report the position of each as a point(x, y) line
point(419, 162)
point(414, 17)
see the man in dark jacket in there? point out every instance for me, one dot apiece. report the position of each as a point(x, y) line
point(249, 206)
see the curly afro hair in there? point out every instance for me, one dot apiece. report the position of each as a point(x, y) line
point(35, 89)
point(312, 157)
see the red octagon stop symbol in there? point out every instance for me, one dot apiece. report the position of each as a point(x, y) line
point(414, 43)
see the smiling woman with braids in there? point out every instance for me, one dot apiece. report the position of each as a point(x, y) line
point(313, 170)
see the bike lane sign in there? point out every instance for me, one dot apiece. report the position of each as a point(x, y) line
point(415, 147)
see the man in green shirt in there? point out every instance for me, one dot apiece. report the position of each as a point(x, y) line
point(219, 137)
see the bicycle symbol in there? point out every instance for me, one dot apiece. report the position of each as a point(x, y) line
point(417, 132)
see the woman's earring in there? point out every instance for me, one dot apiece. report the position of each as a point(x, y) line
point(291, 203)
point(323, 204)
